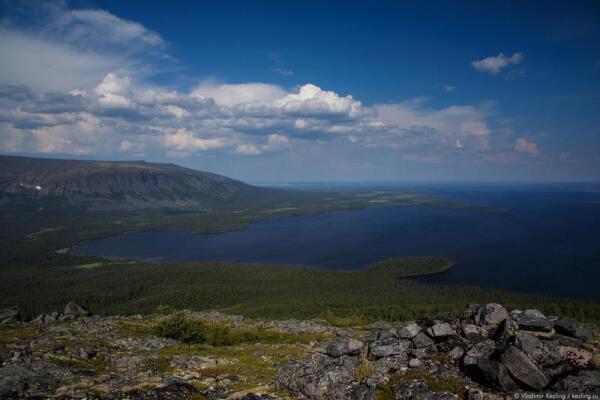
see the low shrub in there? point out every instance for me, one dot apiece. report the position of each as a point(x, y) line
point(182, 328)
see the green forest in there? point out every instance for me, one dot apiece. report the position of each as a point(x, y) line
point(379, 292)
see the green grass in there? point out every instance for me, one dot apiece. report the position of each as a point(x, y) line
point(191, 330)
point(159, 364)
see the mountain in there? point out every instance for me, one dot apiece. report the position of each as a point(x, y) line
point(117, 184)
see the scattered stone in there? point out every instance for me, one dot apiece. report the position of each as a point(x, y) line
point(87, 353)
point(409, 331)
point(344, 346)
point(10, 315)
point(414, 363)
point(75, 310)
point(572, 328)
point(587, 382)
point(523, 369)
point(500, 356)
point(256, 396)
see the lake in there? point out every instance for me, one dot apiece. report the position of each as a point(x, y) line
point(547, 240)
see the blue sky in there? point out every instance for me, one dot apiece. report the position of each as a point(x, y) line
point(306, 91)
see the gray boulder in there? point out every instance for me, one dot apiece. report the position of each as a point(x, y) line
point(542, 352)
point(472, 333)
point(423, 352)
point(46, 318)
point(587, 382)
point(17, 380)
point(571, 328)
point(523, 369)
point(10, 315)
point(409, 331)
point(456, 353)
point(344, 346)
point(389, 346)
point(75, 310)
point(491, 316)
point(534, 320)
point(480, 351)
point(441, 330)
point(496, 374)
point(322, 377)
point(422, 340)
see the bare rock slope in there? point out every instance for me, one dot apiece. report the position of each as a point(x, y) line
point(488, 353)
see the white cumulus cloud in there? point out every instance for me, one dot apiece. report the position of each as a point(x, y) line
point(495, 64)
point(232, 94)
point(184, 140)
point(524, 146)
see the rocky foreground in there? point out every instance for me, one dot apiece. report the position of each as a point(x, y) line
point(488, 353)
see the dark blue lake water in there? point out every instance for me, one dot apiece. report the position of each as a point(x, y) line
point(547, 240)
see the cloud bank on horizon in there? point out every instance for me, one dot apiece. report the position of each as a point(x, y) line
point(79, 82)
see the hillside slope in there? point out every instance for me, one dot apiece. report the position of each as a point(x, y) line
point(112, 184)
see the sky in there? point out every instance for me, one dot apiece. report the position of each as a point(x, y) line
point(271, 91)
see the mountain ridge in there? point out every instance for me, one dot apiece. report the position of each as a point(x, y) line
point(117, 184)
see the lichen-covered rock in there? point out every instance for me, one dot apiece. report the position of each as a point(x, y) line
point(578, 358)
point(542, 352)
point(587, 382)
point(58, 360)
point(10, 315)
point(496, 375)
point(523, 368)
point(389, 346)
point(75, 310)
point(508, 330)
point(534, 320)
point(319, 377)
point(456, 353)
point(422, 340)
point(572, 328)
point(441, 330)
point(480, 351)
point(491, 316)
point(471, 332)
point(344, 346)
point(409, 331)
